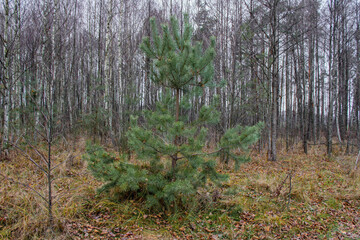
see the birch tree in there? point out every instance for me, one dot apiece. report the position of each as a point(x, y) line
point(6, 79)
point(108, 69)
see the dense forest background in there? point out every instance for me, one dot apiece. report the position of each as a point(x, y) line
point(293, 64)
point(115, 127)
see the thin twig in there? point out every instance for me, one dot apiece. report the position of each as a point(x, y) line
point(38, 132)
point(17, 140)
point(357, 161)
point(278, 189)
point(290, 188)
point(30, 158)
point(25, 185)
point(37, 152)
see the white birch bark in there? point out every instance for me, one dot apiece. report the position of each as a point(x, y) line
point(5, 133)
point(120, 58)
point(17, 100)
point(107, 97)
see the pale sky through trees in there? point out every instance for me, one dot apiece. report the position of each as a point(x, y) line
point(292, 63)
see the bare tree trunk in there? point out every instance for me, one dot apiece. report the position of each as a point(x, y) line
point(287, 100)
point(17, 100)
point(7, 75)
point(330, 93)
point(317, 120)
point(274, 81)
point(310, 126)
point(107, 96)
point(357, 81)
point(120, 70)
point(49, 170)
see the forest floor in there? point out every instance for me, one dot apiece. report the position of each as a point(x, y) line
point(298, 197)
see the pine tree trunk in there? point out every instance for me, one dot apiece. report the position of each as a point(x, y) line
point(176, 140)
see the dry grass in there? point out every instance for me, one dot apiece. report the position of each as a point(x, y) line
point(24, 213)
point(323, 202)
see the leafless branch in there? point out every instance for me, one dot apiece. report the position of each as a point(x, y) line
point(30, 158)
point(23, 184)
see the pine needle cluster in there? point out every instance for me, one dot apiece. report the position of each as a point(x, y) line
point(171, 146)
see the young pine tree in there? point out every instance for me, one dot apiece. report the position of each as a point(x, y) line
point(172, 147)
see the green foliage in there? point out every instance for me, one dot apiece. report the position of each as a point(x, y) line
point(177, 63)
point(95, 122)
point(240, 138)
point(175, 165)
point(151, 182)
point(126, 177)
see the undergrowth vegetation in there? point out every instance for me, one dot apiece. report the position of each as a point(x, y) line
point(323, 201)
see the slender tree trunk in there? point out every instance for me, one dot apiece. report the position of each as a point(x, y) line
point(287, 100)
point(176, 140)
point(275, 82)
point(317, 120)
point(107, 96)
point(330, 93)
point(7, 74)
point(49, 178)
point(120, 69)
point(310, 126)
point(357, 81)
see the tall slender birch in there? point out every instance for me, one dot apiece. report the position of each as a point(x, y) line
point(108, 37)
point(119, 95)
point(7, 77)
point(18, 83)
point(330, 92)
